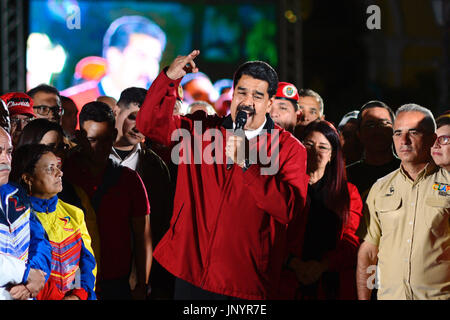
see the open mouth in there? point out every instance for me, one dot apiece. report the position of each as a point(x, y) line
point(247, 109)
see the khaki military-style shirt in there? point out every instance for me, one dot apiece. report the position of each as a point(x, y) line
point(409, 222)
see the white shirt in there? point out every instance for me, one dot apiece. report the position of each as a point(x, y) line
point(12, 270)
point(131, 161)
point(250, 134)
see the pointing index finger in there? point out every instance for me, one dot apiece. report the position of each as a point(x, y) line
point(190, 65)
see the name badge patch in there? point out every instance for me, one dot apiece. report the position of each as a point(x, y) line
point(442, 188)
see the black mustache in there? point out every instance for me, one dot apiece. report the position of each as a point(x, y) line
point(247, 109)
point(135, 130)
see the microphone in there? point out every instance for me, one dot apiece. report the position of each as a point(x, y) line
point(241, 120)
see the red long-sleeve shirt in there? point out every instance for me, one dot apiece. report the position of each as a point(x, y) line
point(228, 229)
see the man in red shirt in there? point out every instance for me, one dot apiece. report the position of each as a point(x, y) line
point(227, 236)
point(121, 205)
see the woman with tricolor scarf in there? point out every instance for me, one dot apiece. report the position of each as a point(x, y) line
point(73, 267)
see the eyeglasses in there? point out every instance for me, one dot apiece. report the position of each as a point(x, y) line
point(16, 121)
point(52, 169)
point(377, 124)
point(320, 148)
point(443, 140)
point(45, 110)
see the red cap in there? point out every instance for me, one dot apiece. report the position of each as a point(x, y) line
point(287, 91)
point(18, 103)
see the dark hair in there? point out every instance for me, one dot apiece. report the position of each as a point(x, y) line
point(24, 160)
point(132, 95)
point(374, 104)
point(443, 120)
point(36, 129)
point(97, 111)
point(67, 99)
point(118, 33)
point(259, 70)
point(337, 195)
point(43, 88)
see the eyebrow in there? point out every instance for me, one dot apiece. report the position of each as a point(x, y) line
point(407, 130)
point(320, 143)
point(256, 92)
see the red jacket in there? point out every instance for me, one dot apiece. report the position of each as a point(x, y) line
point(228, 228)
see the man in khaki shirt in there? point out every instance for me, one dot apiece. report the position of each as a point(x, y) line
point(407, 219)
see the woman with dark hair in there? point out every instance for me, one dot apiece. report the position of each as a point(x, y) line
point(441, 147)
point(46, 132)
point(325, 268)
point(36, 168)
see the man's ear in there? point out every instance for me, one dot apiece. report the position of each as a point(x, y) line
point(322, 117)
point(116, 110)
point(299, 114)
point(269, 106)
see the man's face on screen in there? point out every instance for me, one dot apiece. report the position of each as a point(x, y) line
point(138, 64)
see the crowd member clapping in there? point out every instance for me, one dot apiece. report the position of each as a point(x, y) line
point(36, 168)
point(326, 267)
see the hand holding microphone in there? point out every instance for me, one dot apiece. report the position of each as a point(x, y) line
point(235, 147)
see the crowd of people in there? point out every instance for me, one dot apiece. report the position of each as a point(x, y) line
point(110, 203)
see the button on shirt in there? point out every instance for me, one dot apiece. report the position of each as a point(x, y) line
point(409, 222)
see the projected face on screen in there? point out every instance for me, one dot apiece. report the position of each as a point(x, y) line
point(113, 45)
point(132, 47)
point(137, 65)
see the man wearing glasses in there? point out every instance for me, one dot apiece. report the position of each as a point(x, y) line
point(407, 217)
point(20, 107)
point(47, 102)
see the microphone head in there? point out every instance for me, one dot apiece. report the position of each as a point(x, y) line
point(241, 119)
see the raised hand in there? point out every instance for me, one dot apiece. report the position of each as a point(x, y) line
point(183, 65)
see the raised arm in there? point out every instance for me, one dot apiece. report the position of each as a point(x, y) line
point(155, 118)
